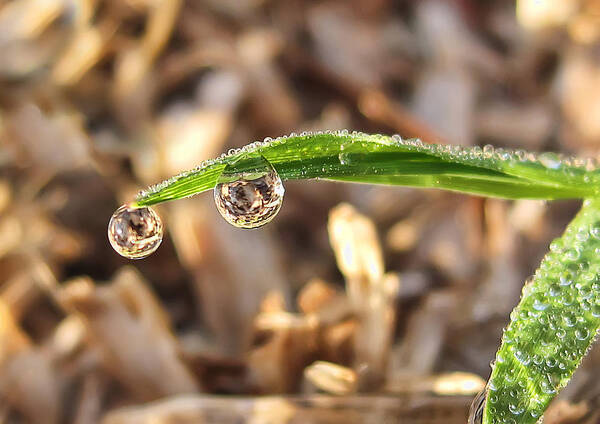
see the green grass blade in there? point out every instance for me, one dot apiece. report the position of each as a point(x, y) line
point(378, 159)
point(559, 313)
point(552, 327)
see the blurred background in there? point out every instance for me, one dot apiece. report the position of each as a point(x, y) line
point(100, 98)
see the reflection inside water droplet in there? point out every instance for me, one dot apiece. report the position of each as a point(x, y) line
point(135, 232)
point(251, 198)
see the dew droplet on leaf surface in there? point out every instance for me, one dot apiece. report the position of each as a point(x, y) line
point(135, 232)
point(344, 158)
point(488, 151)
point(550, 160)
point(249, 199)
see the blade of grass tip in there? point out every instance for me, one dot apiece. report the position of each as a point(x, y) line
point(553, 326)
point(378, 159)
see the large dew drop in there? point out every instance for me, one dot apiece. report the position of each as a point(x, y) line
point(250, 199)
point(135, 232)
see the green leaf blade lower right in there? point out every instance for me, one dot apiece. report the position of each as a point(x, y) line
point(552, 328)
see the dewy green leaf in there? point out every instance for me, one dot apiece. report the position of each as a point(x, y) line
point(552, 327)
point(379, 159)
point(559, 313)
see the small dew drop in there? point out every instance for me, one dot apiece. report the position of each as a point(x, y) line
point(572, 254)
point(569, 320)
point(582, 334)
point(550, 160)
point(516, 409)
point(522, 357)
point(595, 231)
point(565, 279)
point(344, 158)
point(549, 384)
point(556, 246)
point(582, 235)
point(135, 232)
point(488, 151)
point(539, 305)
point(250, 200)
point(521, 155)
point(554, 290)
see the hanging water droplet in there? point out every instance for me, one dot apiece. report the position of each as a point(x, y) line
point(249, 199)
point(135, 232)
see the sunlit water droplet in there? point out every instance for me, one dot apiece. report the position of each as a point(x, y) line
point(250, 200)
point(135, 232)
